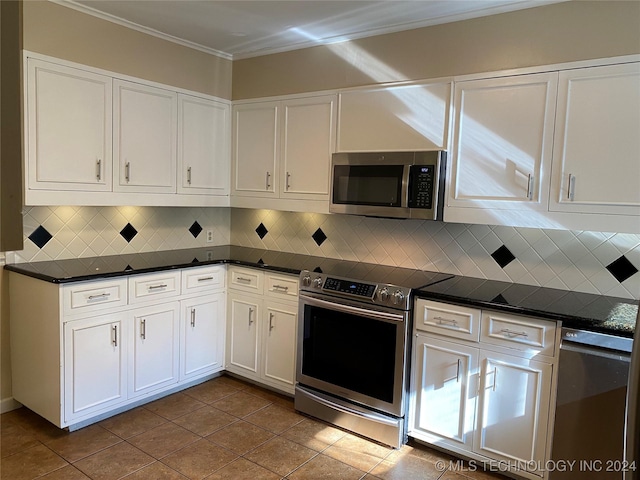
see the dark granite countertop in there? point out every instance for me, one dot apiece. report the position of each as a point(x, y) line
point(578, 310)
point(585, 311)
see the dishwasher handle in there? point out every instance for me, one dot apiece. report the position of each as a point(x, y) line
point(595, 343)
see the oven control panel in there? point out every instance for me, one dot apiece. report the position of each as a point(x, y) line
point(382, 294)
point(354, 288)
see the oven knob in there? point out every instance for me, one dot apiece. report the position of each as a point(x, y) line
point(398, 297)
point(384, 294)
point(317, 282)
point(306, 280)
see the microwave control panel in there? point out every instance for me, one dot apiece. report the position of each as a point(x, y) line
point(421, 183)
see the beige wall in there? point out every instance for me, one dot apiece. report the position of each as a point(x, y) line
point(563, 32)
point(62, 32)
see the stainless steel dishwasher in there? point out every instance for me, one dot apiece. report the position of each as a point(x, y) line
point(589, 431)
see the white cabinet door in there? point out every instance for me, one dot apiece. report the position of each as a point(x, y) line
point(256, 149)
point(280, 344)
point(503, 143)
point(445, 384)
point(596, 164)
point(307, 144)
point(404, 117)
point(145, 133)
point(95, 358)
point(203, 146)
point(203, 335)
point(243, 337)
point(69, 128)
point(154, 348)
point(513, 409)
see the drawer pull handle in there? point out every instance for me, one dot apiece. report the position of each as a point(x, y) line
point(250, 313)
point(511, 333)
point(205, 279)
point(243, 279)
point(495, 378)
point(530, 184)
point(193, 317)
point(571, 187)
point(102, 295)
point(458, 372)
point(270, 321)
point(99, 169)
point(155, 287)
point(281, 287)
point(143, 329)
point(114, 335)
point(189, 175)
point(127, 172)
point(287, 187)
point(268, 185)
point(443, 321)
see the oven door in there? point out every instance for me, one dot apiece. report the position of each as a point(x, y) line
point(353, 351)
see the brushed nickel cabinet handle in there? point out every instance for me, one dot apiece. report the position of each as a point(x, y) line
point(443, 321)
point(243, 279)
point(127, 171)
point(281, 287)
point(287, 186)
point(99, 169)
point(102, 295)
point(571, 187)
point(143, 329)
point(114, 335)
point(458, 372)
point(268, 183)
point(189, 175)
point(511, 333)
point(205, 279)
point(270, 321)
point(193, 317)
point(155, 287)
point(250, 313)
point(530, 184)
point(495, 378)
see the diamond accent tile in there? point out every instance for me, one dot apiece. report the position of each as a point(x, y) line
point(262, 230)
point(128, 232)
point(503, 256)
point(622, 269)
point(40, 236)
point(319, 237)
point(195, 229)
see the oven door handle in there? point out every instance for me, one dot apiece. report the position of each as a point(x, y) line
point(364, 312)
point(351, 411)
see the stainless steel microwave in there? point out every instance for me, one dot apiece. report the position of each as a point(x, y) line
point(390, 184)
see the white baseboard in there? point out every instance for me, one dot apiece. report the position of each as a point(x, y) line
point(8, 404)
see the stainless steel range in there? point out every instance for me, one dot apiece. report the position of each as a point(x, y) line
point(353, 351)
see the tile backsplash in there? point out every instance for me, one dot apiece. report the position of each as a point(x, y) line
point(593, 262)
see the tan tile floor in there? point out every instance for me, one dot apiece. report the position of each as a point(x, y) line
point(221, 429)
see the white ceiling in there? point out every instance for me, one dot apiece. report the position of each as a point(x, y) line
point(247, 28)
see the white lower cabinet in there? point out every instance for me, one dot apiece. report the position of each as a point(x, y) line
point(202, 335)
point(88, 349)
point(488, 399)
point(95, 360)
point(154, 348)
point(262, 326)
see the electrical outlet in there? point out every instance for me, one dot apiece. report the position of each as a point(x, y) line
point(209, 236)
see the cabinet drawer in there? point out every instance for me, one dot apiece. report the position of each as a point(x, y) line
point(202, 278)
point(246, 279)
point(450, 320)
point(89, 296)
point(280, 286)
point(529, 335)
point(154, 286)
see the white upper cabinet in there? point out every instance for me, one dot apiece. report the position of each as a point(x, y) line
point(503, 142)
point(68, 134)
point(282, 151)
point(98, 138)
point(145, 120)
point(597, 146)
point(256, 149)
point(394, 118)
point(307, 144)
point(203, 146)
